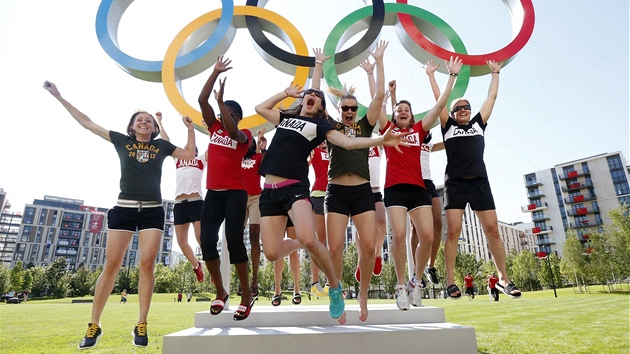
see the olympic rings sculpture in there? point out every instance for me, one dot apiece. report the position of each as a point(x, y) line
point(195, 48)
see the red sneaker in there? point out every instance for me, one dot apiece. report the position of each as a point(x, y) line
point(357, 274)
point(199, 272)
point(378, 266)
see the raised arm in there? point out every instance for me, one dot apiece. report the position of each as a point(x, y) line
point(222, 65)
point(158, 118)
point(374, 110)
point(430, 69)
point(266, 108)
point(453, 66)
point(369, 70)
point(187, 153)
point(488, 104)
point(229, 123)
point(320, 58)
point(387, 139)
point(84, 120)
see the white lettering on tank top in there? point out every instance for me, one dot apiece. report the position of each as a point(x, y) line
point(455, 132)
point(224, 141)
point(307, 129)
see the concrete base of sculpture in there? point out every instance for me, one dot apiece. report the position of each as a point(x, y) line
point(309, 329)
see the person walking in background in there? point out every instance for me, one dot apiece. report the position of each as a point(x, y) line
point(466, 182)
point(250, 167)
point(123, 296)
point(138, 209)
point(226, 196)
point(470, 287)
point(189, 297)
point(179, 296)
point(188, 201)
point(492, 285)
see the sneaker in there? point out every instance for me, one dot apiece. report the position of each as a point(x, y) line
point(318, 291)
point(357, 274)
point(139, 334)
point(402, 300)
point(431, 274)
point(91, 336)
point(378, 266)
point(337, 304)
point(199, 272)
point(415, 291)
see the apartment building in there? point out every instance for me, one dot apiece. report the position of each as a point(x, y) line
point(57, 227)
point(9, 227)
point(575, 195)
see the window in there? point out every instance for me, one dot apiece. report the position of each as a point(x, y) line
point(618, 175)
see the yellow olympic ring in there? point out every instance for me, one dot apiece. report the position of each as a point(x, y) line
point(274, 22)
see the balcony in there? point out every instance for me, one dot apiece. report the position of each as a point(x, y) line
point(542, 230)
point(533, 183)
point(533, 207)
point(579, 198)
point(585, 223)
point(574, 174)
point(546, 241)
point(535, 194)
point(577, 186)
point(583, 211)
point(523, 243)
point(540, 217)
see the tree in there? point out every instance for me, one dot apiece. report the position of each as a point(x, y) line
point(5, 279)
point(81, 281)
point(573, 264)
point(164, 279)
point(467, 263)
point(350, 261)
point(265, 278)
point(618, 235)
point(38, 286)
point(27, 280)
point(16, 276)
point(57, 279)
point(524, 269)
point(123, 279)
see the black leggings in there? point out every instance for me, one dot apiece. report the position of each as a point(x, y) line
point(218, 206)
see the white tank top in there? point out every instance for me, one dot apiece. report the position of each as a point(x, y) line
point(189, 175)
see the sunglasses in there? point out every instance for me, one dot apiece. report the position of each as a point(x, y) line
point(461, 108)
point(349, 108)
point(315, 92)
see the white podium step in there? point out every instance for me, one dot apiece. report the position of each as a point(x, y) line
point(310, 329)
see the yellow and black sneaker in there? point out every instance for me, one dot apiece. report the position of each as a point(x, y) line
point(139, 333)
point(91, 336)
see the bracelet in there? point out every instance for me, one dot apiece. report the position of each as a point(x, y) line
point(496, 72)
point(317, 61)
point(370, 73)
point(453, 74)
point(285, 91)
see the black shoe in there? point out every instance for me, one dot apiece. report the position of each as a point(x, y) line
point(91, 336)
point(431, 274)
point(139, 333)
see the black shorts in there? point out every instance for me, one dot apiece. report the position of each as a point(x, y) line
point(186, 212)
point(430, 187)
point(470, 291)
point(378, 197)
point(274, 202)
point(409, 196)
point(318, 205)
point(476, 191)
point(132, 219)
point(349, 200)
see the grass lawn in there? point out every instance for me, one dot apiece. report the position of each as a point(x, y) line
point(537, 323)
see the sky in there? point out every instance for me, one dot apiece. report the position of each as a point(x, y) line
point(563, 97)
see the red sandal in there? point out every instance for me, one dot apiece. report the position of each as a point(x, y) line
point(243, 311)
point(218, 305)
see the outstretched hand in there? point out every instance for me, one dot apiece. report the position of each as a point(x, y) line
point(218, 95)
point(430, 67)
point(379, 50)
point(454, 65)
point(222, 64)
point(395, 139)
point(52, 88)
point(262, 141)
point(495, 66)
point(319, 55)
point(367, 66)
point(294, 90)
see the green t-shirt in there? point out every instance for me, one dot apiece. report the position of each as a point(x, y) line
point(140, 166)
point(350, 161)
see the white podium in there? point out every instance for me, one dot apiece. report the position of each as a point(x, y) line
point(310, 329)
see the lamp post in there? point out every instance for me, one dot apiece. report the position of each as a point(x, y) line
point(544, 255)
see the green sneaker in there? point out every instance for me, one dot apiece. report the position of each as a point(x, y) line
point(91, 336)
point(139, 333)
point(337, 304)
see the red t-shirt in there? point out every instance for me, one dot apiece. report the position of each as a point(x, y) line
point(405, 168)
point(468, 280)
point(320, 164)
point(250, 174)
point(224, 159)
point(492, 281)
